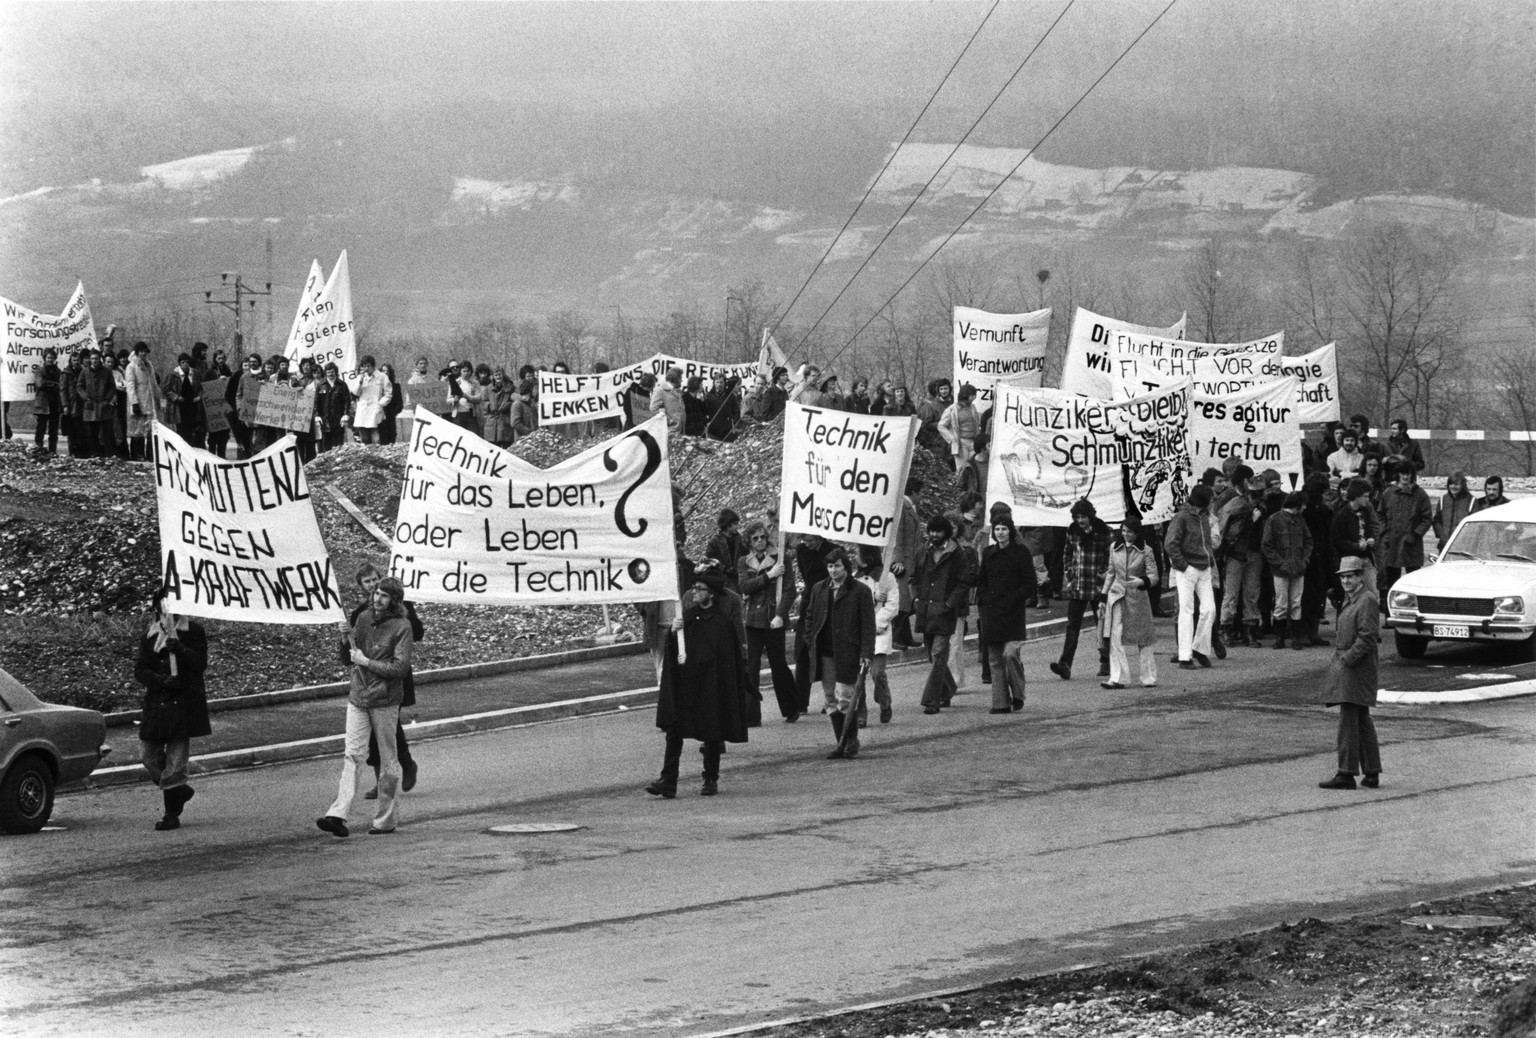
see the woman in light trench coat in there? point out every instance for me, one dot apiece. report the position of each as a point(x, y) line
point(1128, 611)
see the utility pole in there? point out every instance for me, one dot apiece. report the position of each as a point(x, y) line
point(241, 291)
point(270, 339)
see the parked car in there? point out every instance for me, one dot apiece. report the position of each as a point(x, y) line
point(1480, 586)
point(42, 746)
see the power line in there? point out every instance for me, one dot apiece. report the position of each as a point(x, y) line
point(1017, 166)
point(939, 169)
point(889, 159)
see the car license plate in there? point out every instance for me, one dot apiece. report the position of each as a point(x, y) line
point(1452, 631)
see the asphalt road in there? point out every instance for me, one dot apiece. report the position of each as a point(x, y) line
point(957, 849)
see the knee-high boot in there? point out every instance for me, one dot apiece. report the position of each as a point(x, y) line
point(837, 732)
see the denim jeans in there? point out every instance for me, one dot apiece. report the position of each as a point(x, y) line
point(166, 761)
point(381, 722)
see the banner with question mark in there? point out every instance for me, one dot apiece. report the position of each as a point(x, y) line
point(480, 526)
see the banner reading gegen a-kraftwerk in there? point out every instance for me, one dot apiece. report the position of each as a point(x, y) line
point(480, 526)
point(1050, 448)
point(1087, 367)
point(843, 475)
point(239, 539)
point(991, 348)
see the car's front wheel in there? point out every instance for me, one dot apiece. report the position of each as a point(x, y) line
point(26, 795)
point(1409, 647)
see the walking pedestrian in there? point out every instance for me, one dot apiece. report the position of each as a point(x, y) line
point(701, 694)
point(1350, 683)
point(1085, 559)
point(1004, 583)
point(381, 657)
point(1288, 548)
point(173, 654)
point(767, 591)
point(887, 598)
point(1189, 553)
point(368, 578)
point(904, 559)
point(841, 631)
point(1127, 608)
point(939, 594)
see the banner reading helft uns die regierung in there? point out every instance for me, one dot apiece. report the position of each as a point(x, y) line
point(844, 474)
point(480, 526)
point(239, 539)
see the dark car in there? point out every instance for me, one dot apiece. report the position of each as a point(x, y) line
point(42, 746)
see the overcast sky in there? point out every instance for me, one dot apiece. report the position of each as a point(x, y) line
point(743, 54)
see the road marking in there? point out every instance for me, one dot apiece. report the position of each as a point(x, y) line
point(1508, 690)
point(1486, 677)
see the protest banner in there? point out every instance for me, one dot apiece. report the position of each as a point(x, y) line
point(285, 407)
point(1317, 378)
point(323, 328)
point(770, 357)
point(991, 348)
point(565, 398)
point(1050, 448)
point(742, 370)
point(843, 475)
point(250, 398)
point(215, 410)
point(1153, 430)
point(239, 539)
point(480, 526)
point(1141, 366)
point(28, 334)
point(1258, 425)
point(1086, 368)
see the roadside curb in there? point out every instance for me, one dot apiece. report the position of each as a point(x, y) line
point(336, 689)
point(1481, 694)
point(448, 727)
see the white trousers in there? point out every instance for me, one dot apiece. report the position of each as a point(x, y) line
point(380, 721)
point(1193, 584)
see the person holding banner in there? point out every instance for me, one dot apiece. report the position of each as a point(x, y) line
point(46, 407)
point(1192, 554)
point(381, 657)
point(173, 654)
point(940, 592)
point(767, 591)
point(1085, 560)
point(701, 694)
point(959, 425)
point(841, 633)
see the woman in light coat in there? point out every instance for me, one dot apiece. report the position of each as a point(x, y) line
point(873, 574)
point(1128, 612)
point(373, 392)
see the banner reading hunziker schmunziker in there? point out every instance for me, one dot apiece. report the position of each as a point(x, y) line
point(480, 526)
point(239, 539)
point(843, 474)
point(1050, 449)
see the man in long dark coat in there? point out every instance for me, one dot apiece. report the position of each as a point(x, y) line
point(841, 633)
point(1351, 679)
point(702, 696)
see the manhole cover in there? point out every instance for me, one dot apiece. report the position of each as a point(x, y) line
point(533, 828)
point(1457, 922)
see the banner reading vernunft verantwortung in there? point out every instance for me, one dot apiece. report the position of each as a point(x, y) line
point(843, 474)
point(239, 539)
point(323, 328)
point(1258, 425)
point(28, 334)
point(1086, 369)
point(1153, 431)
point(993, 348)
point(480, 526)
point(1049, 449)
point(1141, 366)
point(1317, 377)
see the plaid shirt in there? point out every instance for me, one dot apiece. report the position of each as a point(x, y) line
point(1085, 561)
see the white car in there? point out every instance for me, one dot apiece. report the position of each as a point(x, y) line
point(1481, 586)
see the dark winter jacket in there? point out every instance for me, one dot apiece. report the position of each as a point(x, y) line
point(1006, 580)
point(848, 617)
point(1350, 530)
point(1287, 544)
point(332, 403)
point(46, 400)
point(756, 589)
point(1408, 515)
point(702, 698)
point(1404, 452)
point(175, 706)
point(1453, 509)
point(941, 589)
point(417, 630)
point(1188, 540)
point(385, 640)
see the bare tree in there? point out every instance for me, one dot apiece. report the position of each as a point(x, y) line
point(1313, 302)
point(1397, 293)
point(1513, 371)
point(568, 333)
point(1217, 293)
point(753, 310)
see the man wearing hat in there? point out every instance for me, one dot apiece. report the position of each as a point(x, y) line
point(381, 656)
point(1288, 549)
point(1350, 683)
point(701, 695)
